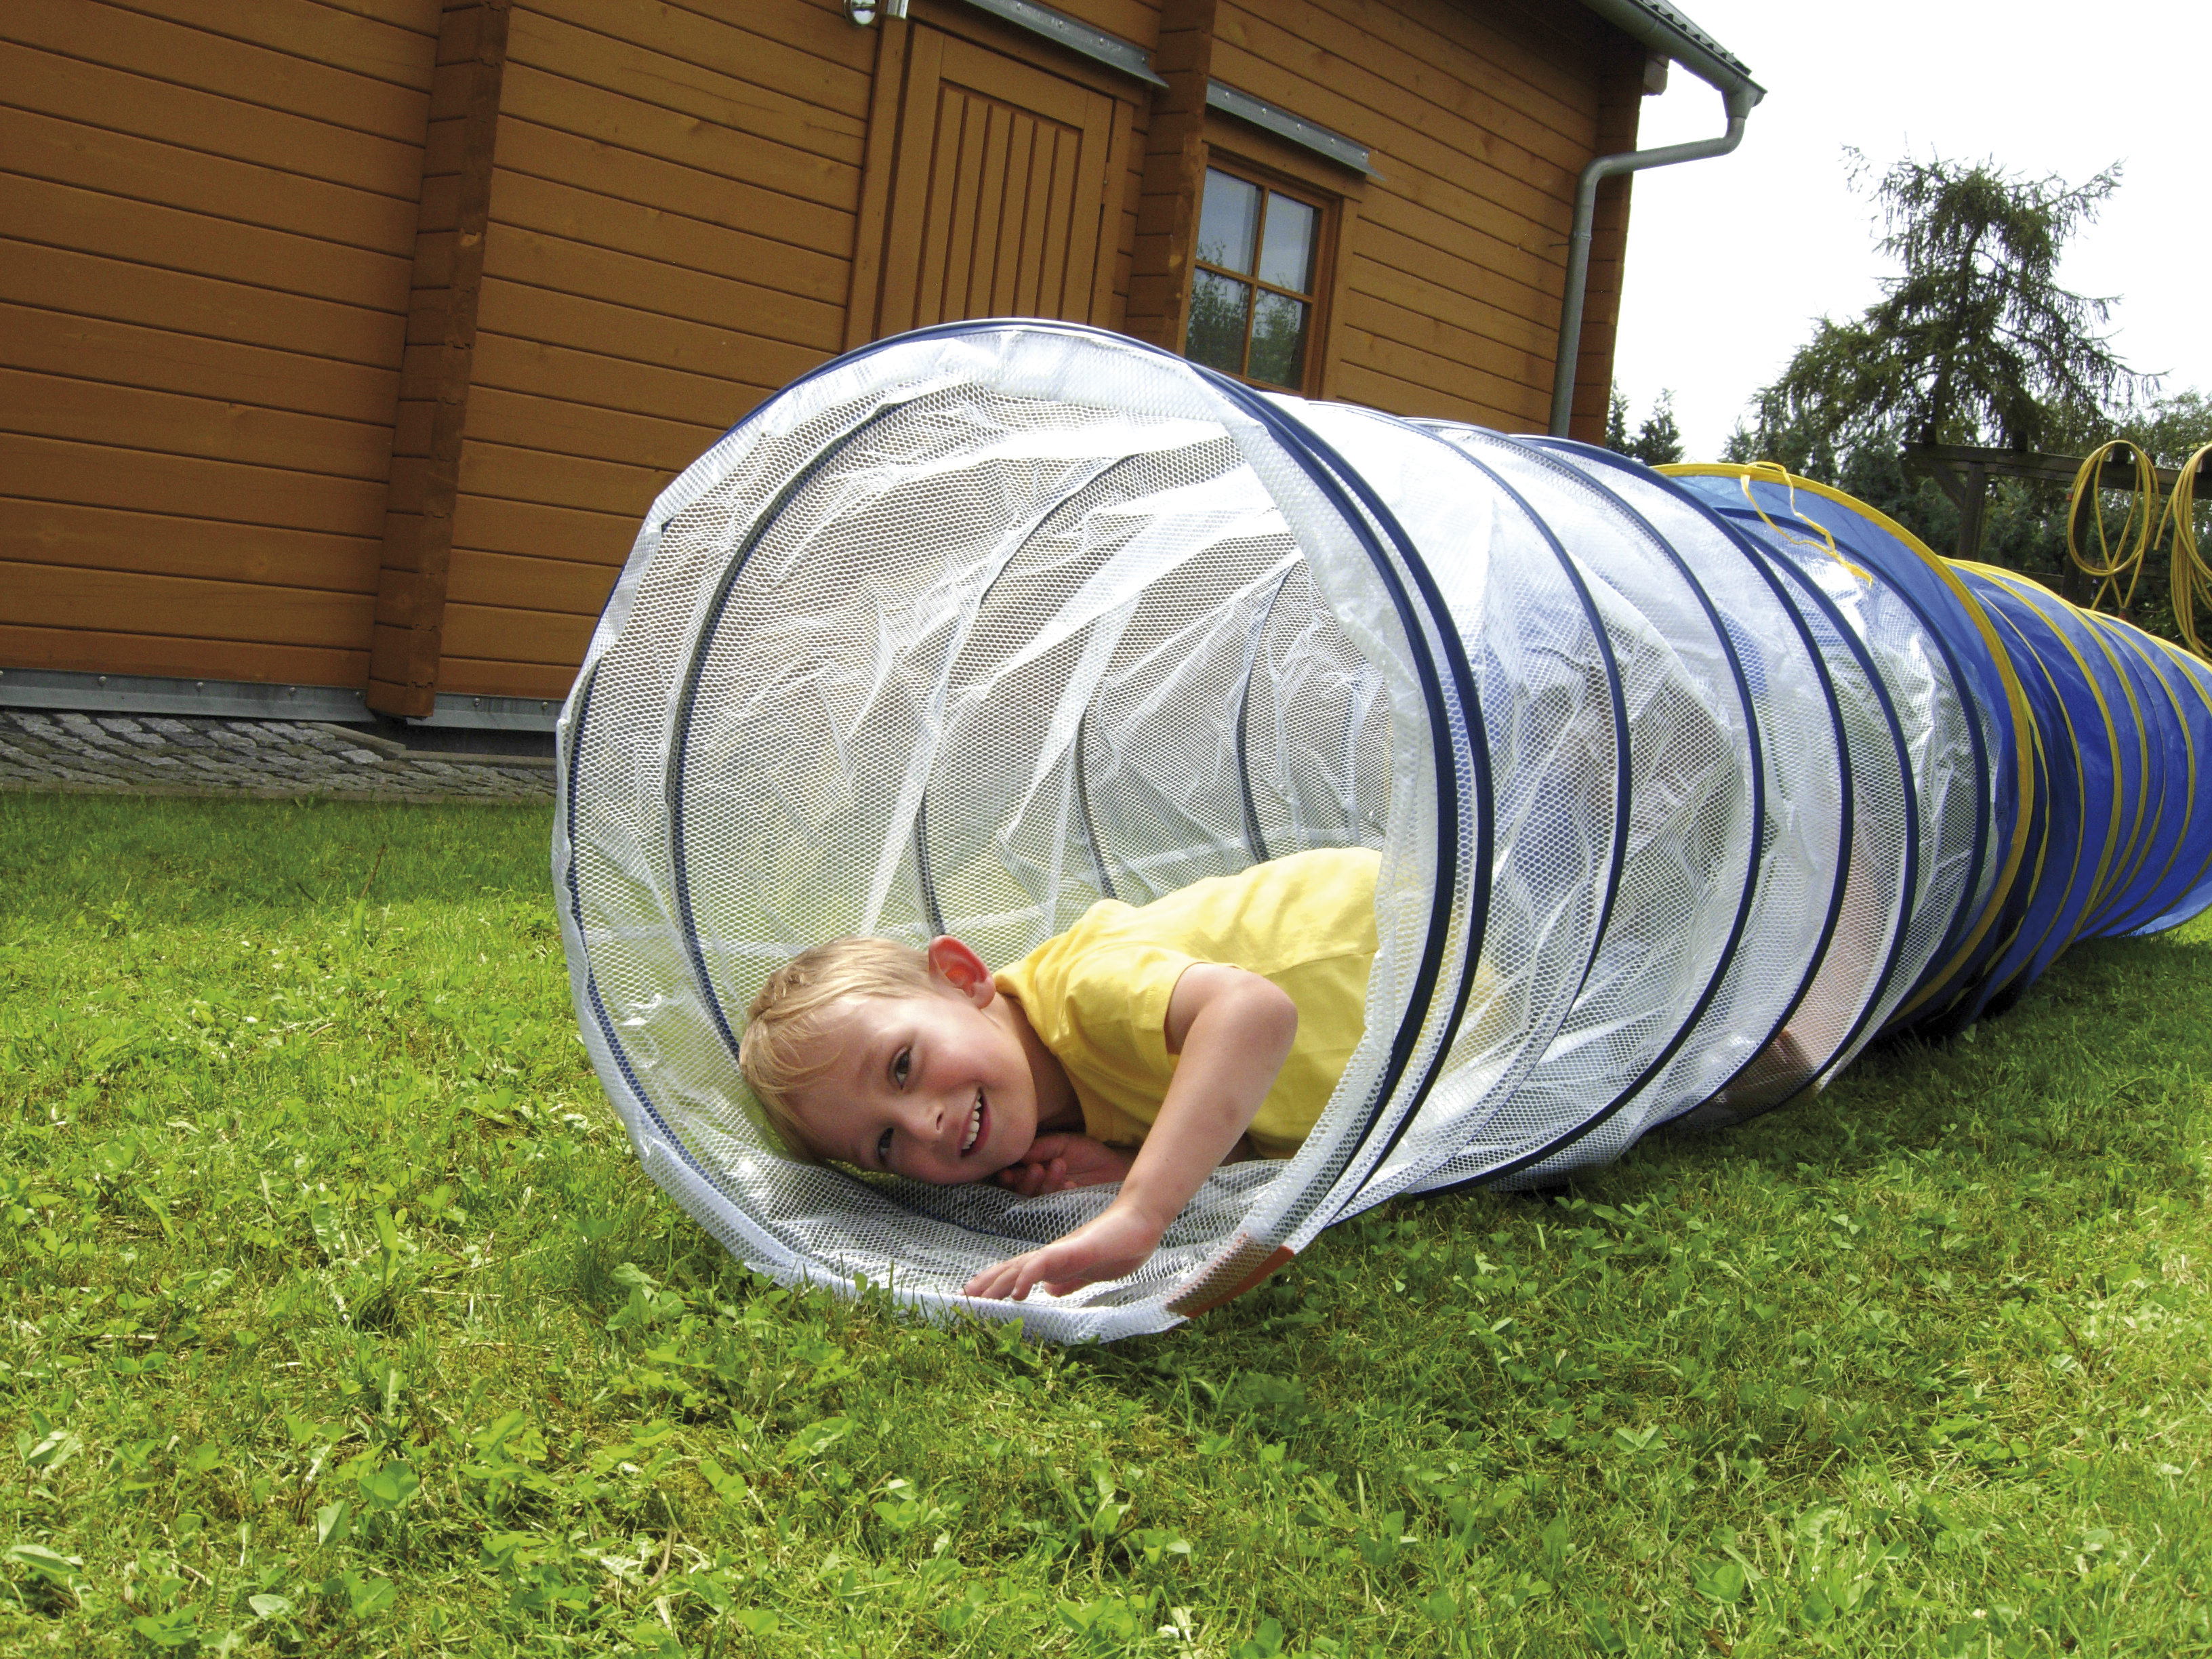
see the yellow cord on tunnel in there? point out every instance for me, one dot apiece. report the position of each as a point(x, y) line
point(1774, 473)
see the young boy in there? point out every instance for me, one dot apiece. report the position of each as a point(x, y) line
point(1210, 1025)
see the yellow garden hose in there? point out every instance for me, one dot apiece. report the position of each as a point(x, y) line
point(2191, 576)
point(2127, 562)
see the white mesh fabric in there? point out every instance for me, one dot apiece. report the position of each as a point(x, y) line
point(1552, 720)
point(1876, 899)
point(1685, 881)
point(1801, 862)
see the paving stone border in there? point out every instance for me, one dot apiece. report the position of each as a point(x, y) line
point(192, 755)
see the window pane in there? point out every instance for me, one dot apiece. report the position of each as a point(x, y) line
point(1278, 341)
point(1286, 255)
point(1228, 220)
point(1218, 309)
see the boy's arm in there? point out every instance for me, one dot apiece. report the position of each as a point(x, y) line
point(1233, 1030)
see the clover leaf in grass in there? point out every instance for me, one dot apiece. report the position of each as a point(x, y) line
point(974, 1605)
point(1157, 1543)
point(391, 1485)
point(1599, 1631)
point(47, 1564)
point(48, 1451)
point(365, 1597)
point(730, 1486)
point(51, 1575)
point(817, 1439)
point(1265, 1643)
point(1719, 1581)
point(178, 1627)
point(1108, 1625)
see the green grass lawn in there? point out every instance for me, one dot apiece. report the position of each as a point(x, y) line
point(339, 1321)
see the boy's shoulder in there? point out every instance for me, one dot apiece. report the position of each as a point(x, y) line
point(1320, 901)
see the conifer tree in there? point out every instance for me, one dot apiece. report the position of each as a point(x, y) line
point(1658, 440)
point(1975, 342)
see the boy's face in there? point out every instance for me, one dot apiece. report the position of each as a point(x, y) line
point(935, 1086)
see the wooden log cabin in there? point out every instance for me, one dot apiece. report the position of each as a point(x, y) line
point(345, 341)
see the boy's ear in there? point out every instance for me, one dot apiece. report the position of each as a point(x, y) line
point(962, 968)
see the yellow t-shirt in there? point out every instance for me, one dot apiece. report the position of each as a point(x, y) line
point(1097, 994)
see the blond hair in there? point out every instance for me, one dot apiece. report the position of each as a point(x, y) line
point(782, 1051)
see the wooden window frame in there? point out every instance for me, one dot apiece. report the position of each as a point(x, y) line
point(1323, 268)
point(1261, 158)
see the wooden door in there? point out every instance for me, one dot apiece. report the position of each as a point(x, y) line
point(993, 189)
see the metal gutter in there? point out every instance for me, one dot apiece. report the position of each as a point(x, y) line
point(1670, 35)
point(1678, 40)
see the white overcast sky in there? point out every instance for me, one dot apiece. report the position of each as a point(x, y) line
point(1729, 260)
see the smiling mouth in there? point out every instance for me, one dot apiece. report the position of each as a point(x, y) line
point(974, 1126)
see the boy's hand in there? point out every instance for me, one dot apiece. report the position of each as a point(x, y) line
point(1056, 1162)
point(1106, 1247)
point(1232, 1029)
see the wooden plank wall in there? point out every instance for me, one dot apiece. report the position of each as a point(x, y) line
point(216, 214)
point(431, 426)
point(1173, 180)
point(672, 214)
point(209, 213)
point(1480, 114)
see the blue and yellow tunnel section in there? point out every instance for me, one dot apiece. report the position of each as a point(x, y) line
point(1687, 786)
point(2100, 826)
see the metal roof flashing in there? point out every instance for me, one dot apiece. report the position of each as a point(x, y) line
point(1093, 43)
point(1309, 134)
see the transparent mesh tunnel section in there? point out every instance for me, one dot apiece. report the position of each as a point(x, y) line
point(1684, 788)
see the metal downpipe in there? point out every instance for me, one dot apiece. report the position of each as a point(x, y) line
point(1739, 100)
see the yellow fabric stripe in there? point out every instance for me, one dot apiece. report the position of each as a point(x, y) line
point(2194, 672)
point(2133, 639)
point(2147, 816)
point(2026, 592)
point(2043, 853)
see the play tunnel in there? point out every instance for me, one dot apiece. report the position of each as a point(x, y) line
point(1685, 788)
